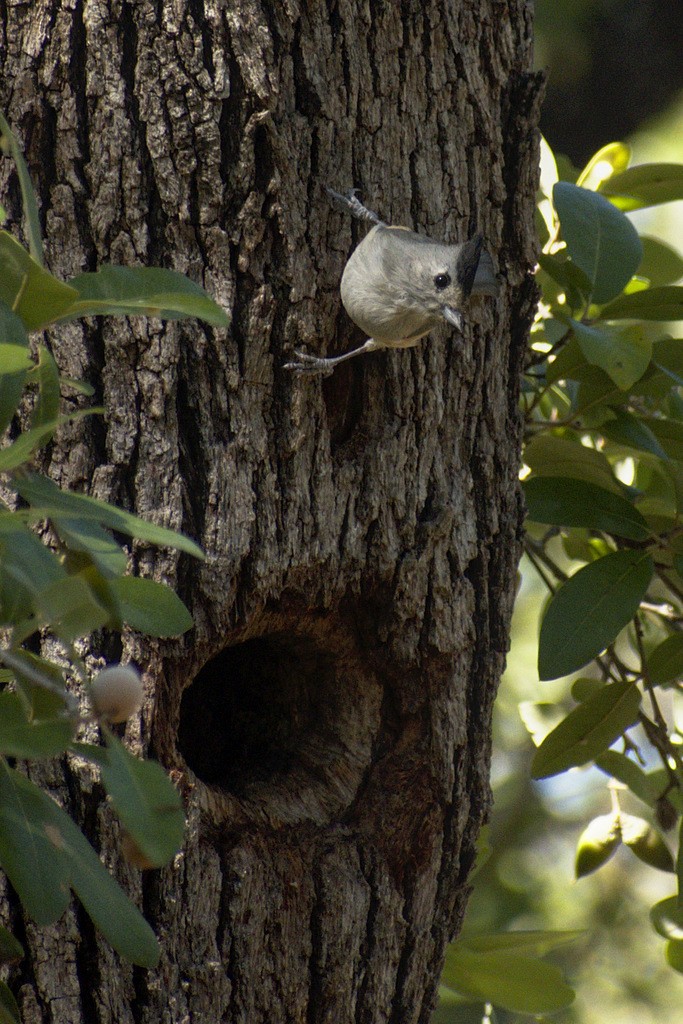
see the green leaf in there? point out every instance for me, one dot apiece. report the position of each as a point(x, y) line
point(148, 291)
point(645, 842)
point(624, 352)
point(46, 375)
point(548, 455)
point(15, 361)
point(667, 356)
point(48, 699)
point(622, 768)
point(600, 240)
point(669, 433)
point(665, 303)
point(9, 1011)
point(20, 451)
point(562, 501)
point(29, 290)
point(10, 948)
point(598, 842)
point(518, 983)
point(568, 363)
point(665, 662)
point(535, 943)
point(644, 185)
point(674, 954)
point(590, 609)
point(660, 263)
point(595, 396)
point(71, 609)
point(20, 737)
point(42, 851)
point(31, 851)
point(632, 432)
point(88, 536)
point(151, 607)
point(112, 912)
point(588, 730)
point(146, 802)
point(667, 918)
point(585, 687)
point(572, 280)
point(28, 196)
point(52, 503)
point(26, 565)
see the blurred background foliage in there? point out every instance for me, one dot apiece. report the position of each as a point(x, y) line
point(615, 72)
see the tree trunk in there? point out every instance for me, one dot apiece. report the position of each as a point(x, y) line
point(328, 719)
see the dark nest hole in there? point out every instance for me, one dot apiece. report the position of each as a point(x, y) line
point(257, 711)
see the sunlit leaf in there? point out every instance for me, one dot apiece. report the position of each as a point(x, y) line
point(590, 609)
point(572, 281)
point(609, 160)
point(548, 169)
point(597, 843)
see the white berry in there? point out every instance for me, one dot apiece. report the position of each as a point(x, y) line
point(117, 693)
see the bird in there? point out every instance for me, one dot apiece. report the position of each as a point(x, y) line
point(398, 285)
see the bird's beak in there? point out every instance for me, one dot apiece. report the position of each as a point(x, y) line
point(453, 317)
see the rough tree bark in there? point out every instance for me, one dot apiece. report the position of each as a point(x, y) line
point(328, 719)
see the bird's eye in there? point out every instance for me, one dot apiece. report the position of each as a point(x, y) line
point(442, 281)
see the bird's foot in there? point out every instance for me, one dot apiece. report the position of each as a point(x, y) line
point(311, 365)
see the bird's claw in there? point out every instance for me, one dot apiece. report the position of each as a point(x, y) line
point(350, 203)
point(308, 364)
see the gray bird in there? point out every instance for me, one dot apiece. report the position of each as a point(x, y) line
point(398, 285)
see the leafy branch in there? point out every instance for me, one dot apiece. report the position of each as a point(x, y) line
point(66, 592)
